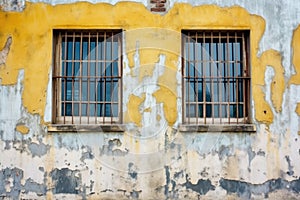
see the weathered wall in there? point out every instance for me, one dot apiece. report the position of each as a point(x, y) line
point(152, 159)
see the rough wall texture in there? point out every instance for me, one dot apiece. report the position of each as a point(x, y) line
point(151, 159)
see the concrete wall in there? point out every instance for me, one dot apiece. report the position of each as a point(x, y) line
point(152, 158)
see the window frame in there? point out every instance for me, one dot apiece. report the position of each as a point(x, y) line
point(201, 124)
point(89, 122)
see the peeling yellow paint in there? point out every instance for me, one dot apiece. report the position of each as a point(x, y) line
point(147, 110)
point(32, 47)
point(168, 98)
point(295, 79)
point(22, 129)
point(298, 109)
point(133, 113)
point(158, 117)
point(274, 59)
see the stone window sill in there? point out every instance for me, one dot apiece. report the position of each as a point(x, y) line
point(228, 128)
point(85, 128)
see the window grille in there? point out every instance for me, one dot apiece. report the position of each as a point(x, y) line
point(216, 77)
point(87, 76)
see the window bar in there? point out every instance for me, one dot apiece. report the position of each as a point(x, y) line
point(88, 77)
point(196, 76)
point(65, 77)
point(204, 79)
point(211, 74)
point(120, 76)
point(236, 78)
point(188, 78)
point(96, 78)
point(80, 79)
point(183, 58)
point(245, 75)
point(111, 79)
point(58, 81)
point(219, 77)
point(104, 79)
point(73, 69)
point(228, 74)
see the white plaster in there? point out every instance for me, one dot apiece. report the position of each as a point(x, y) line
point(48, 107)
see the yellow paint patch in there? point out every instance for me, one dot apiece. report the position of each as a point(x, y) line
point(22, 129)
point(158, 117)
point(168, 98)
point(32, 47)
point(298, 109)
point(274, 59)
point(296, 58)
point(133, 113)
point(147, 110)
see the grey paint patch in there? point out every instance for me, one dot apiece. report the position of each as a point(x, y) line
point(132, 171)
point(38, 149)
point(135, 194)
point(66, 181)
point(167, 170)
point(31, 186)
point(12, 178)
point(261, 153)
point(87, 154)
point(290, 167)
point(112, 148)
point(223, 152)
point(178, 174)
point(245, 190)
point(201, 187)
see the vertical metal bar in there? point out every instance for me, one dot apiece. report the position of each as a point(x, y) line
point(73, 69)
point(204, 79)
point(219, 78)
point(57, 71)
point(111, 79)
point(96, 78)
point(80, 79)
point(120, 82)
point(245, 74)
point(188, 77)
point(236, 78)
point(228, 74)
point(212, 74)
point(196, 62)
point(65, 75)
point(88, 78)
point(183, 76)
point(104, 78)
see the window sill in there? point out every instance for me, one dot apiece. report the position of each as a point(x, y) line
point(229, 128)
point(86, 128)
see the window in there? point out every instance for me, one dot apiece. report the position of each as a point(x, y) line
point(87, 76)
point(216, 77)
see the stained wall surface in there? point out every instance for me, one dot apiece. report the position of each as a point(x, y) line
point(152, 158)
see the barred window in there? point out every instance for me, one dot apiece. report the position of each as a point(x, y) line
point(87, 76)
point(216, 77)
